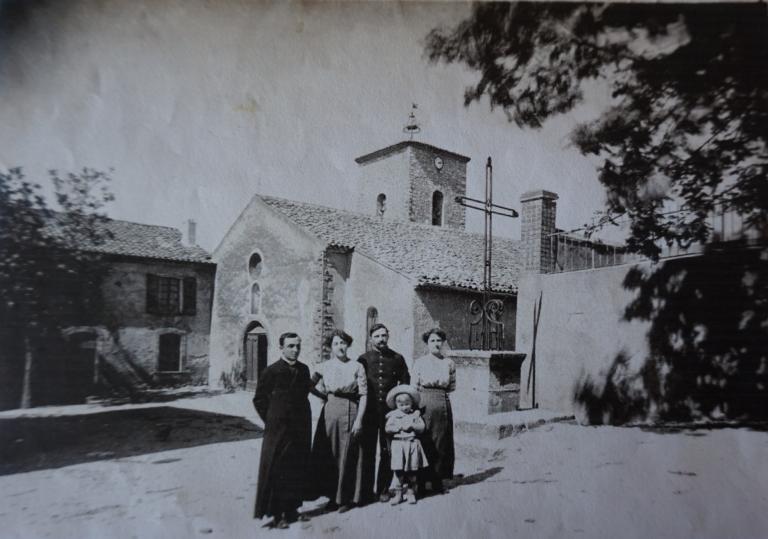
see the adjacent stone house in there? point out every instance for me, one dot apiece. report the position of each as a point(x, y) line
point(399, 255)
point(152, 328)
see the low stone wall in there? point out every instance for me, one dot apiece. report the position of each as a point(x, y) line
point(486, 383)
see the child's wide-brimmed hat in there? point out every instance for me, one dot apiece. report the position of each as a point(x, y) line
point(403, 388)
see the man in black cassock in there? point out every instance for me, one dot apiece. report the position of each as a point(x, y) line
point(384, 369)
point(281, 401)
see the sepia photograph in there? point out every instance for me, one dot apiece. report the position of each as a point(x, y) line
point(383, 269)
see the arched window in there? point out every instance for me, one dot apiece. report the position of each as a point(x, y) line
point(371, 317)
point(255, 298)
point(381, 204)
point(255, 265)
point(437, 208)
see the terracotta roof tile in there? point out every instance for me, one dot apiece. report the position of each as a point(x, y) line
point(429, 255)
point(147, 241)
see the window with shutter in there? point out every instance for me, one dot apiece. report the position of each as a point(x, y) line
point(171, 295)
point(152, 294)
point(190, 296)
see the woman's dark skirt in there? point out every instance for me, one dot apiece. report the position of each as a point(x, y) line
point(336, 455)
point(438, 438)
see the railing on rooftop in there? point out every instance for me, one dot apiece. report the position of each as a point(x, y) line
point(573, 250)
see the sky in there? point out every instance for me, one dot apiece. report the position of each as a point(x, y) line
point(196, 106)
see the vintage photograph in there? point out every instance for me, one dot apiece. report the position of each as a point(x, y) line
point(383, 269)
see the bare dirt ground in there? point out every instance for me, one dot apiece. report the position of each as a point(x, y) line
point(187, 468)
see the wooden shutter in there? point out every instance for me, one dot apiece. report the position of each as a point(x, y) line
point(190, 295)
point(152, 293)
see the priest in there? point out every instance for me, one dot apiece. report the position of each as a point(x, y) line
point(281, 401)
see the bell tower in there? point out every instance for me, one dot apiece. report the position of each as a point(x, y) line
point(413, 181)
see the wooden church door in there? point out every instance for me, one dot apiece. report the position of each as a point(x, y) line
point(255, 355)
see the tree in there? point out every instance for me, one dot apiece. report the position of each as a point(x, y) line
point(50, 268)
point(687, 125)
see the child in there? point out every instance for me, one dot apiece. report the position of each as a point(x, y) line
point(403, 424)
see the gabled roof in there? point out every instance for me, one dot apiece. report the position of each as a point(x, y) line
point(429, 255)
point(394, 148)
point(145, 241)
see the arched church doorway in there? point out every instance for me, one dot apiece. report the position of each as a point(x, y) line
point(255, 348)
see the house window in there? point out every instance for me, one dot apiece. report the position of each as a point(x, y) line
point(169, 357)
point(255, 298)
point(255, 265)
point(381, 204)
point(171, 295)
point(437, 208)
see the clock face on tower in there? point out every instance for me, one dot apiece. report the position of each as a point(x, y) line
point(438, 163)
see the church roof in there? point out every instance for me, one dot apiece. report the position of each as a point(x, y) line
point(427, 254)
point(126, 238)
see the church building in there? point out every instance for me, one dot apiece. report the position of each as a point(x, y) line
point(402, 257)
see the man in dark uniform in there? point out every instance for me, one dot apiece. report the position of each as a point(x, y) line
point(281, 401)
point(384, 369)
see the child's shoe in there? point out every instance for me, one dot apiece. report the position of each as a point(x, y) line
point(398, 497)
point(410, 495)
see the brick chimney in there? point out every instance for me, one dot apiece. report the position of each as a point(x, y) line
point(538, 222)
point(191, 232)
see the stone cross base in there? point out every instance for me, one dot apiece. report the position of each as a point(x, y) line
point(487, 382)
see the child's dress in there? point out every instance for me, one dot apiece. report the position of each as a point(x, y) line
point(405, 450)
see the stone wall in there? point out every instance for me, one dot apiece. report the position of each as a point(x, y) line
point(448, 309)
point(135, 334)
point(426, 178)
point(580, 331)
point(678, 340)
point(372, 285)
point(387, 174)
point(486, 383)
point(291, 282)
point(336, 270)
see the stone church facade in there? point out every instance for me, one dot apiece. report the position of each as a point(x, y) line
point(401, 258)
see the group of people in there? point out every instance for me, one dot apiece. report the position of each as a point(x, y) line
point(378, 402)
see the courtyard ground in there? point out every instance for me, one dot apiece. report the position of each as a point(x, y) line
point(187, 468)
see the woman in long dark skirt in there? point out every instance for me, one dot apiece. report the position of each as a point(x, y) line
point(435, 377)
point(337, 459)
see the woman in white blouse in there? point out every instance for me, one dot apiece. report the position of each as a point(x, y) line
point(435, 377)
point(336, 454)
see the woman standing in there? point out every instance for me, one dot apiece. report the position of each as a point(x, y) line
point(337, 458)
point(435, 376)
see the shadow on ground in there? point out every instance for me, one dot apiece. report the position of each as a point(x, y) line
point(701, 429)
point(38, 443)
point(154, 395)
point(471, 479)
point(457, 481)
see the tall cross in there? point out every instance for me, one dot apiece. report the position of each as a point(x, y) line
point(490, 311)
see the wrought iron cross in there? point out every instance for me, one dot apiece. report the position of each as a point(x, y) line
point(487, 316)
